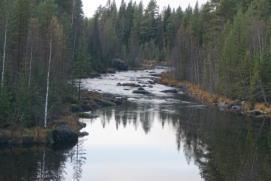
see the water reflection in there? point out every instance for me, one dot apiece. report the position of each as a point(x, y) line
point(224, 146)
point(34, 164)
point(216, 146)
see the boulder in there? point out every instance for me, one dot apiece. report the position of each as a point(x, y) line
point(105, 103)
point(63, 134)
point(155, 75)
point(235, 108)
point(182, 88)
point(151, 82)
point(87, 115)
point(119, 100)
point(83, 134)
point(82, 125)
point(119, 64)
point(173, 91)
point(141, 91)
point(128, 85)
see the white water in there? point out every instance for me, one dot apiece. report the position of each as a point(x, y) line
point(108, 84)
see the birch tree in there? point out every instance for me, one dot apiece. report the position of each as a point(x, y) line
point(48, 83)
point(54, 32)
point(4, 53)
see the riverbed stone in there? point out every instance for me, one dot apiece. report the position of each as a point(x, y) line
point(173, 91)
point(129, 85)
point(235, 108)
point(141, 91)
point(87, 115)
point(119, 100)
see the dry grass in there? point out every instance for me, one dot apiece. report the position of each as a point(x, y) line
point(167, 79)
point(214, 99)
point(39, 134)
point(148, 64)
point(71, 121)
point(91, 95)
point(265, 108)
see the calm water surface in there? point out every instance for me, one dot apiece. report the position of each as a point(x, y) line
point(151, 138)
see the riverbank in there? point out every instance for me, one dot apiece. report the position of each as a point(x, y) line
point(64, 130)
point(258, 110)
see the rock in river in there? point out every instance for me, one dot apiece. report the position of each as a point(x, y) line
point(235, 108)
point(128, 85)
point(141, 91)
point(83, 134)
point(87, 115)
point(63, 134)
point(173, 91)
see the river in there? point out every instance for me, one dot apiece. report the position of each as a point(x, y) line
point(157, 137)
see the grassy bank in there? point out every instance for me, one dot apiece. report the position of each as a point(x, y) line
point(195, 91)
point(20, 136)
point(65, 129)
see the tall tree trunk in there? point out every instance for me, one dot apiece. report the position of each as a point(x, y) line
point(4, 56)
point(74, 45)
point(73, 26)
point(47, 86)
point(73, 12)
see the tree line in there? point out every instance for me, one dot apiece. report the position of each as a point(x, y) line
point(224, 46)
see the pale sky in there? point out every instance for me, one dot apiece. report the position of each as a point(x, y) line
point(90, 6)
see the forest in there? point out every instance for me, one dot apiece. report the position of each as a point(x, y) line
point(223, 46)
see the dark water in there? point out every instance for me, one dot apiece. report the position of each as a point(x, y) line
point(150, 142)
point(153, 140)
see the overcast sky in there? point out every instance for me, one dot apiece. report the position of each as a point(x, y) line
point(90, 6)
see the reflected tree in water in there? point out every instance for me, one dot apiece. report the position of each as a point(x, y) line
point(78, 160)
point(224, 146)
point(41, 164)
